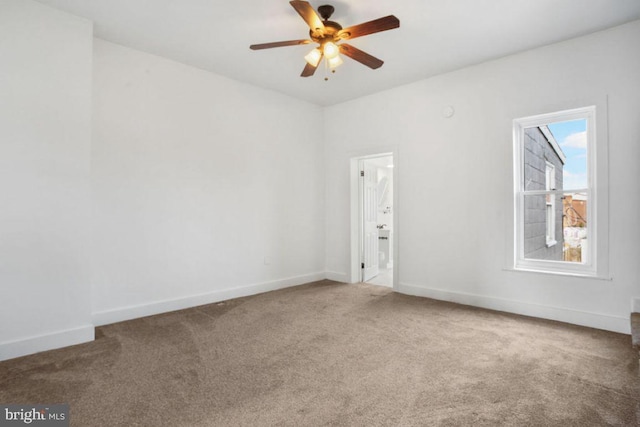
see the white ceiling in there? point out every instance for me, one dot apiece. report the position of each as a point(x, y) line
point(435, 36)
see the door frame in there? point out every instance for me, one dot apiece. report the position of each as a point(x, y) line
point(368, 214)
point(356, 223)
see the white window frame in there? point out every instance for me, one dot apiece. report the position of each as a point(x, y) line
point(594, 210)
point(550, 184)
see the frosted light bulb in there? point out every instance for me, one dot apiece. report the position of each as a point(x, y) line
point(313, 57)
point(335, 61)
point(330, 50)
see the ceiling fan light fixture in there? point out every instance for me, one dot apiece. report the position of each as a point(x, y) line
point(313, 57)
point(328, 33)
point(330, 50)
point(334, 62)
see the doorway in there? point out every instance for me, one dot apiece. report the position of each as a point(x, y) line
point(375, 219)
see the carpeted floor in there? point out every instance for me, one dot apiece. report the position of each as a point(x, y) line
point(335, 354)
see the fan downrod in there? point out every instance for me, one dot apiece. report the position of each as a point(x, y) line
point(331, 28)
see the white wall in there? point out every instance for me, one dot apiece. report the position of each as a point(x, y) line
point(455, 176)
point(196, 179)
point(45, 135)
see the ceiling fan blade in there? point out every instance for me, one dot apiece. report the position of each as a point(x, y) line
point(278, 44)
point(360, 56)
point(381, 24)
point(308, 14)
point(309, 69)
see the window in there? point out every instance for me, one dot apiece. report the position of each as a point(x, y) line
point(555, 215)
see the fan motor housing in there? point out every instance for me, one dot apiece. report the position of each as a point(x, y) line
point(329, 34)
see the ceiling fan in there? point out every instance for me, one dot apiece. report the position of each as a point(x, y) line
point(328, 34)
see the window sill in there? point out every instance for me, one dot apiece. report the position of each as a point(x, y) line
point(558, 273)
point(551, 243)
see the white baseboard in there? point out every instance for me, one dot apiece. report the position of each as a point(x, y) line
point(576, 317)
point(133, 312)
point(337, 277)
point(635, 305)
point(50, 341)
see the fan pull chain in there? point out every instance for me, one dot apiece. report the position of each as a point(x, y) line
point(326, 69)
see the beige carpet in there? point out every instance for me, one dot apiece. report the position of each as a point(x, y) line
point(334, 354)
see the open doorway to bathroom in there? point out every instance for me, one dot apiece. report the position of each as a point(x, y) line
point(376, 214)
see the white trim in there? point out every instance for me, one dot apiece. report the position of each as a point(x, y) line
point(337, 277)
point(558, 267)
point(635, 305)
point(354, 210)
point(44, 342)
point(558, 273)
point(603, 321)
point(141, 310)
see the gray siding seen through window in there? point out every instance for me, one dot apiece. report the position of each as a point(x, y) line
point(538, 150)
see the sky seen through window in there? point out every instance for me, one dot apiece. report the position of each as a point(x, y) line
point(572, 138)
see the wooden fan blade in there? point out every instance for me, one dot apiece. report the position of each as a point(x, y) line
point(278, 44)
point(309, 69)
point(381, 24)
point(360, 56)
point(309, 15)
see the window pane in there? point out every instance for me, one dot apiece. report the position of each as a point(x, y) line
point(574, 227)
point(555, 227)
point(571, 136)
point(543, 234)
point(542, 158)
